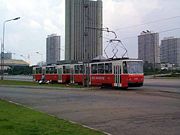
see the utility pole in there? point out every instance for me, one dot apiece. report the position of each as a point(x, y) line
point(84, 43)
point(154, 58)
point(87, 46)
point(86, 68)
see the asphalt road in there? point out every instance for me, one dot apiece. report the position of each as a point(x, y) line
point(170, 85)
point(132, 112)
point(19, 77)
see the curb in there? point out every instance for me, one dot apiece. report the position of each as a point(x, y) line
point(47, 87)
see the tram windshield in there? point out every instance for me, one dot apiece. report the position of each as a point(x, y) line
point(133, 67)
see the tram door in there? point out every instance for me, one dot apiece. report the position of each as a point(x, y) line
point(59, 71)
point(88, 74)
point(117, 75)
point(72, 74)
point(43, 71)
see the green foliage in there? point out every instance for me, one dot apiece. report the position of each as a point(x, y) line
point(19, 70)
point(18, 120)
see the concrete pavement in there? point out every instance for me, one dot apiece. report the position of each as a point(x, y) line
point(136, 111)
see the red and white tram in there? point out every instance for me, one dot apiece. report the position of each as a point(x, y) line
point(116, 73)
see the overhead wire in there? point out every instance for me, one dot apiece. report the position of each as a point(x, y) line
point(156, 32)
point(150, 22)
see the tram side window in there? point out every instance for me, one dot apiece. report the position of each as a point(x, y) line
point(38, 70)
point(94, 68)
point(59, 70)
point(55, 70)
point(43, 71)
point(125, 67)
point(47, 70)
point(76, 69)
point(81, 69)
point(108, 68)
point(101, 68)
point(66, 69)
point(51, 70)
point(34, 71)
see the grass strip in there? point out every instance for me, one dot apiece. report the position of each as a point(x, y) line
point(18, 120)
point(26, 83)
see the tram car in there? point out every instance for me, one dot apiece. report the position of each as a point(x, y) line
point(52, 73)
point(37, 73)
point(116, 73)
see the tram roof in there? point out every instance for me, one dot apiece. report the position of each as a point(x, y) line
point(63, 62)
point(116, 59)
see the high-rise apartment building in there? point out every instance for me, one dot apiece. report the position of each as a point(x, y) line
point(83, 37)
point(53, 49)
point(148, 47)
point(170, 51)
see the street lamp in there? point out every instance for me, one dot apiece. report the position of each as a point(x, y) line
point(41, 56)
point(23, 57)
point(2, 46)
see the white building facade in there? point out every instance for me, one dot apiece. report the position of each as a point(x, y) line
point(83, 35)
point(170, 51)
point(148, 47)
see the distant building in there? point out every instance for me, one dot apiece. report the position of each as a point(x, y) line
point(14, 62)
point(83, 35)
point(170, 51)
point(53, 49)
point(148, 48)
point(8, 63)
point(7, 56)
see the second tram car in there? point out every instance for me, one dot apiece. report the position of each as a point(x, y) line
point(37, 73)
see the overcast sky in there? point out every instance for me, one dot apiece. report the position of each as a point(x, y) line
point(40, 18)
